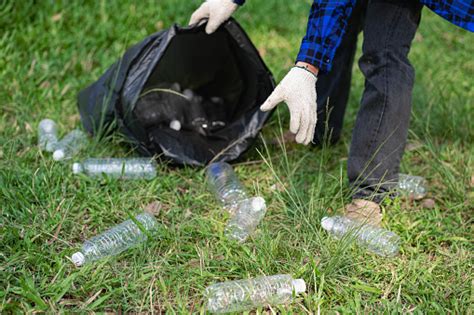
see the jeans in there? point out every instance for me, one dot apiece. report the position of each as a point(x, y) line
point(381, 128)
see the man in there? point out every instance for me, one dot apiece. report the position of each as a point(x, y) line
point(318, 85)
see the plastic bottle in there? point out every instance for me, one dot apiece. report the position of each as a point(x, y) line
point(413, 186)
point(377, 240)
point(225, 185)
point(72, 143)
point(114, 241)
point(132, 168)
point(241, 295)
point(248, 215)
point(47, 135)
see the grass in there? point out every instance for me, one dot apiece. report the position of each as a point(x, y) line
point(49, 50)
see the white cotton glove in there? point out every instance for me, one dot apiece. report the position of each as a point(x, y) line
point(298, 91)
point(216, 11)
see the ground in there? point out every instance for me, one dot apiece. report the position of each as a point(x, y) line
point(50, 50)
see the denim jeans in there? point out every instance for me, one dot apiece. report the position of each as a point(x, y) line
point(381, 128)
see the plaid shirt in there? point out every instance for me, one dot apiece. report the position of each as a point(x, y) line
point(328, 20)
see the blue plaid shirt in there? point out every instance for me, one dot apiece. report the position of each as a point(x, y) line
point(328, 20)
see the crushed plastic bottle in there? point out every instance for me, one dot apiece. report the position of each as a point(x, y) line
point(131, 168)
point(242, 295)
point(225, 185)
point(114, 241)
point(47, 135)
point(377, 240)
point(248, 215)
point(413, 186)
point(71, 144)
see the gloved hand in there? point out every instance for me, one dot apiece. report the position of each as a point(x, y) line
point(298, 91)
point(216, 11)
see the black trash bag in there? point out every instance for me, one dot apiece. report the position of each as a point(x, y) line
point(184, 95)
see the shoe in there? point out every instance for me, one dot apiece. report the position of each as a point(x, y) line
point(364, 210)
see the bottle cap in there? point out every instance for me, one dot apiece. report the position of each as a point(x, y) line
point(76, 168)
point(58, 155)
point(78, 259)
point(188, 94)
point(299, 285)
point(175, 125)
point(327, 223)
point(258, 204)
point(216, 169)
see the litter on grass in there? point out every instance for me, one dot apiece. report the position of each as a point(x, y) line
point(377, 240)
point(70, 145)
point(244, 295)
point(246, 213)
point(47, 135)
point(246, 219)
point(116, 240)
point(225, 185)
point(123, 168)
point(414, 187)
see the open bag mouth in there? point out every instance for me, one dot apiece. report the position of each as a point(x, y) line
point(191, 96)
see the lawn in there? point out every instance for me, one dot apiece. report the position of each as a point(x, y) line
point(49, 50)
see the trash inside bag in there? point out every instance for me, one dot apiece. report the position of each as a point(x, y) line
point(183, 95)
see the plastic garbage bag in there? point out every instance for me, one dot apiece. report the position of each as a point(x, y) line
point(184, 95)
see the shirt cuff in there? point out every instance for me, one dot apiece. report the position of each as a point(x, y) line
point(239, 2)
point(316, 55)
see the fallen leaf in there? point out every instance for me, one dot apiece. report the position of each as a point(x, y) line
point(418, 37)
point(70, 302)
point(364, 210)
point(219, 257)
point(413, 145)
point(277, 187)
point(154, 208)
point(159, 25)
point(87, 65)
point(28, 127)
point(56, 17)
point(472, 180)
point(315, 260)
point(428, 203)
point(45, 84)
point(32, 68)
point(194, 263)
point(91, 299)
point(73, 119)
point(65, 89)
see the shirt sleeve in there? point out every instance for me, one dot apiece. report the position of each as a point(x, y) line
point(458, 12)
point(326, 25)
point(239, 2)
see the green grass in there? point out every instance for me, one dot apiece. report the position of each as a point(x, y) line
point(49, 50)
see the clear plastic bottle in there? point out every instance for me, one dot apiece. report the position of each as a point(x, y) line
point(114, 241)
point(248, 215)
point(132, 168)
point(225, 185)
point(241, 295)
point(413, 186)
point(71, 144)
point(377, 240)
point(47, 135)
